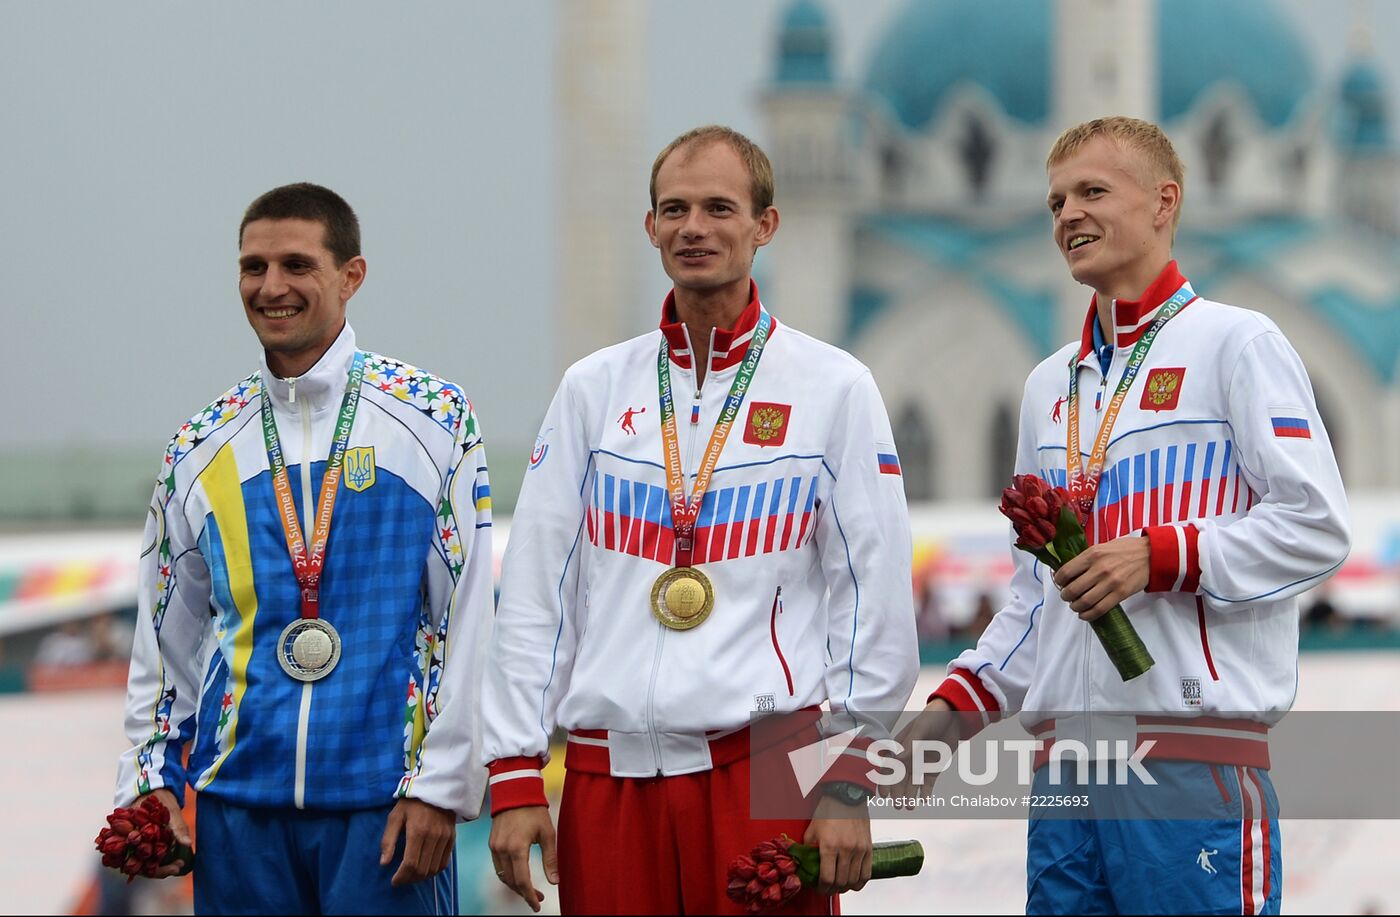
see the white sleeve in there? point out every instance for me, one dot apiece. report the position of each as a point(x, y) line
point(446, 772)
point(1298, 533)
point(992, 678)
point(865, 546)
point(172, 620)
point(533, 645)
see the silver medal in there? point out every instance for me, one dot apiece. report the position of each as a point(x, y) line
point(309, 648)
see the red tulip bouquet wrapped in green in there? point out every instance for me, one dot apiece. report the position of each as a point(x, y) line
point(1049, 527)
point(776, 870)
point(139, 840)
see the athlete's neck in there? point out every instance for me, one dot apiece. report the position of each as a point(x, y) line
point(297, 363)
point(1129, 285)
point(703, 311)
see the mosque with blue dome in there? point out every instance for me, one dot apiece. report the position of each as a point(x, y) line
point(915, 231)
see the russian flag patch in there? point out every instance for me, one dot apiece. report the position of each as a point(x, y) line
point(1295, 427)
point(888, 462)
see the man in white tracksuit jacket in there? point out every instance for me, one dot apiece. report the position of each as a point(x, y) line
point(1214, 501)
point(802, 539)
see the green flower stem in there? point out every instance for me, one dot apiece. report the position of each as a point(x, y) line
point(1116, 633)
point(889, 860)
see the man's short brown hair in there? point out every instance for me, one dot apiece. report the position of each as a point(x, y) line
point(305, 201)
point(1131, 134)
point(755, 160)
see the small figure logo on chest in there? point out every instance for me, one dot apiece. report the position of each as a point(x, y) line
point(626, 419)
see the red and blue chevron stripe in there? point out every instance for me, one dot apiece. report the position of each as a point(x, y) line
point(1176, 483)
point(634, 517)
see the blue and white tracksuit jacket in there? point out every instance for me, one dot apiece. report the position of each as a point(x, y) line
point(803, 532)
point(1220, 459)
point(407, 584)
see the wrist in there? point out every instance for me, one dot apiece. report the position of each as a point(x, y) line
point(846, 792)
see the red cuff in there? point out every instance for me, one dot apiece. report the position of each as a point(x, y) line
point(1175, 564)
point(967, 695)
point(852, 765)
point(516, 783)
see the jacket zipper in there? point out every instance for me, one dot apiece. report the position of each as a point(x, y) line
point(661, 629)
point(1098, 422)
point(308, 518)
point(773, 626)
point(1205, 640)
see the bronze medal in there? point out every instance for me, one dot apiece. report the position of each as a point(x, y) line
point(682, 598)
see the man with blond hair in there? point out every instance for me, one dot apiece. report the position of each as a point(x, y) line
point(743, 549)
point(1212, 500)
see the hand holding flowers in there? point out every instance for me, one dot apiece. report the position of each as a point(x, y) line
point(1050, 526)
point(139, 841)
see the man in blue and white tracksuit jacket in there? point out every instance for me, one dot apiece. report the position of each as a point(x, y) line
point(1219, 503)
point(304, 786)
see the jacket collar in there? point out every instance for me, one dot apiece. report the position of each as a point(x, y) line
point(727, 345)
point(322, 384)
point(1132, 318)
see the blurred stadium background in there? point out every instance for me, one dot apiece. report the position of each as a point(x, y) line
point(908, 139)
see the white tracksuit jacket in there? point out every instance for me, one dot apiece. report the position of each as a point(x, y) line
point(803, 532)
point(1220, 459)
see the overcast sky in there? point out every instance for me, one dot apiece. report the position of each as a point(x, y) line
point(136, 133)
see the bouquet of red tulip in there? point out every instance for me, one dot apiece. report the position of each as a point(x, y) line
point(1050, 526)
point(777, 870)
point(139, 840)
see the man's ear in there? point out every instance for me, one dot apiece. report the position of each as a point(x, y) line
point(355, 270)
point(767, 226)
point(1168, 203)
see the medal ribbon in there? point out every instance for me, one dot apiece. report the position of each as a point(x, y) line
point(683, 513)
point(1085, 485)
point(308, 564)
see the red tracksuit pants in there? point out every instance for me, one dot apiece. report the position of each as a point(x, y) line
point(662, 845)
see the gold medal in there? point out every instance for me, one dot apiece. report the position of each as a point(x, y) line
point(682, 598)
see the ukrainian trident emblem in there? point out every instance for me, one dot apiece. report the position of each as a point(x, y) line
point(359, 468)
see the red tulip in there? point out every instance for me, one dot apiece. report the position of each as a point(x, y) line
point(743, 867)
